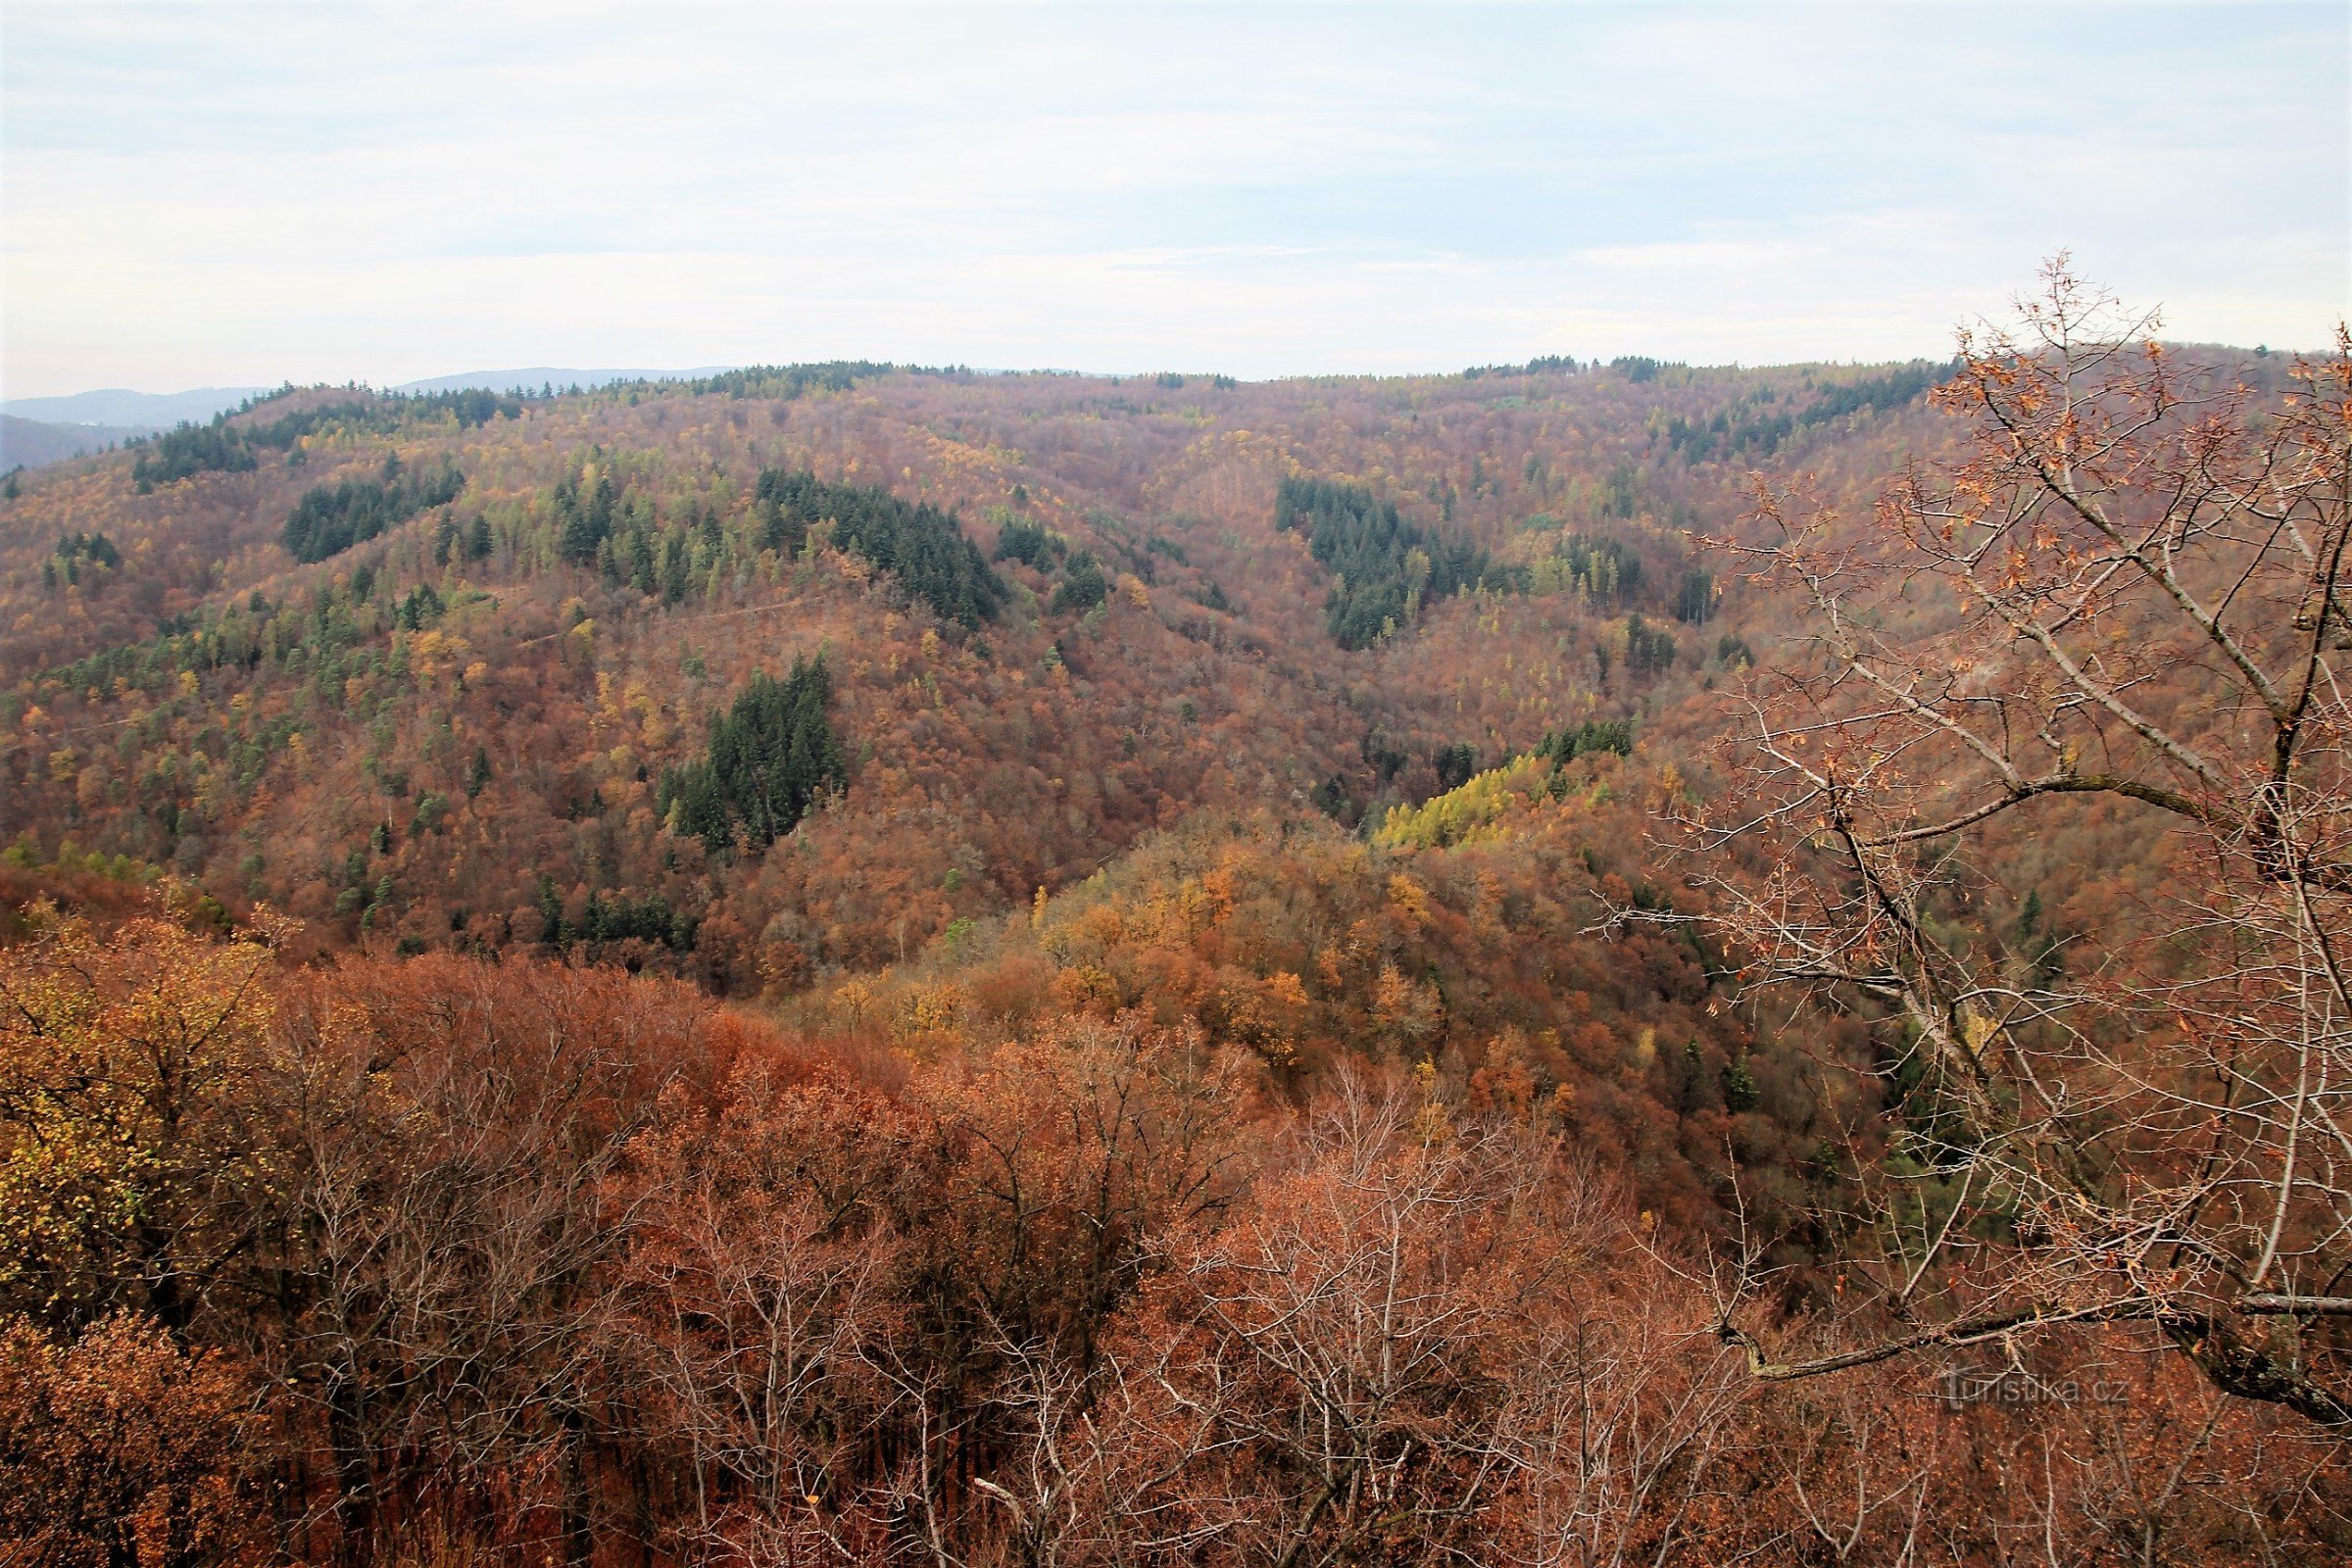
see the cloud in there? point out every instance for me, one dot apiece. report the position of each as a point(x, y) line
point(218, 194)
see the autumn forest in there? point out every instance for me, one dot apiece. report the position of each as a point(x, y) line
point(1570, 963)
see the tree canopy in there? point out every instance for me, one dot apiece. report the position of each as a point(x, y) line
point(1384, 569)
point(771, 758)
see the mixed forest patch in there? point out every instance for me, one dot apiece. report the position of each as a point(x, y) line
point(1384, 569)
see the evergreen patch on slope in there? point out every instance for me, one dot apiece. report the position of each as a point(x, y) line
point(330, 518)
point(1028, 543)
point(771, 758)
point(1593, 736)
point(1083, 585)
point(612, 919)
point(1383, 567)
point(924, 548)
point(1750, 435)
point(188, 450)
point(76, 554)
point(1600, 568)
point(583, 517)
point(787, 381)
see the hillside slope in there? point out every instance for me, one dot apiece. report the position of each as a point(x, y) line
point(416, 736)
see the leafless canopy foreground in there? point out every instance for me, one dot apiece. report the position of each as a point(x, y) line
point(2107, 645)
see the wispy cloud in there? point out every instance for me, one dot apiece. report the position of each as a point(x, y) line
point(235, 194)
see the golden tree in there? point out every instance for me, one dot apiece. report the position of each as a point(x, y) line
point(133, 1069)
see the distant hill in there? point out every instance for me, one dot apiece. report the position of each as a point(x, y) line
point(34, 442)
point(120, 407)
point(533, 377)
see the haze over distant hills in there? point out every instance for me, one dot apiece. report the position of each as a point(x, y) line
point(34, 442)
point(38, 431)
point(125, 408)
point(121, 407)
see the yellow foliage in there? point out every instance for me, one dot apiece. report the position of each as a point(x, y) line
point(1087, 988)
point(433, 652)
point(128, 1067)
point(1431, 1125)
point(1466, 812)
point(852, 1000)
point(1410, 900)
point(925, 1010)
point(1105, 923)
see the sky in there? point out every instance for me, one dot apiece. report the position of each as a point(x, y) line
point(202, 194)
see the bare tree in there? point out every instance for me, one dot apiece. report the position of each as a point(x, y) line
point(760, 1291)
point(1616, 1429)
point(452, 1141)
point(2109, 640)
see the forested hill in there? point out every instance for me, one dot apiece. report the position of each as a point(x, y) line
point(400, 665)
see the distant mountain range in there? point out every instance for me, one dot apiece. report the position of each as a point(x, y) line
point(160, 410)
point(123, 408)
point(34, 442)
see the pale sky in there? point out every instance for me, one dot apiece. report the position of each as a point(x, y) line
point(198, 194)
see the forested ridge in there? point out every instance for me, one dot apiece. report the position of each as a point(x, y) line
point(873, 964)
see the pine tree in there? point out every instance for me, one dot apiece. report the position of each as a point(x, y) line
point(1739, 1091)
point(586, 523)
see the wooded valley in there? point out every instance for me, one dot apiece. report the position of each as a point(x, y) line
point(1569, 963)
